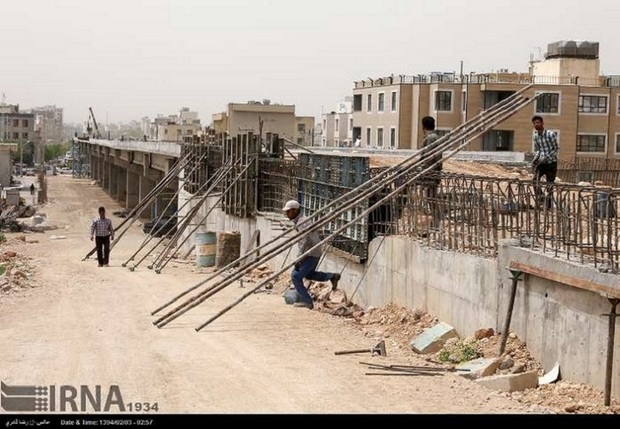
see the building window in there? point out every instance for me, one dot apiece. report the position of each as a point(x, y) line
point(394, 101)
point(301, 128)
point(591, 143)
point(336, 143)
point(392, 137)
point(25, 123)
point(324, 142)
point(464, 101)
point(15, 123)
point(592, 104)
point(337, 125)
point(617, 144)
point(15, 136)
point(368, 136)
point(300, 141)
point(369, 103)
point(357, 103)
point(443, 101)
point(380, 137)
point(324, 124)
point(381, 102)
point(498, 141)
point(351, 124)
point(548, 102)
point(25, 136)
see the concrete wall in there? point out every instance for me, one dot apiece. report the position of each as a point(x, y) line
point(6, 166)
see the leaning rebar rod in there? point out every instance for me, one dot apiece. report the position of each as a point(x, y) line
point(177, 311)
point(149, 237)
point(375, 184)
point(148, 199)
point(204, 218)
point(219, 176)
point(213, 184)
point(156, 221)
point(196, 300)
point(318, 245)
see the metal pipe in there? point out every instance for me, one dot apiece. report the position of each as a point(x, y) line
point(516, 278)
point(610, 349)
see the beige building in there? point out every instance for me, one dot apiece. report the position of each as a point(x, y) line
point(577, 102)
point(173, 128)
point(304, 130)
point(258, 117)
point(48, 122)
point(6, 164)
point(337, 126)
point(15, 126)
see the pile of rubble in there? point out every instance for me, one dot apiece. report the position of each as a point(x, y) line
point(22, 218)
point(16, 271)
point(399, 326)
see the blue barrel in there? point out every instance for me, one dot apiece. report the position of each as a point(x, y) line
point(206, 243)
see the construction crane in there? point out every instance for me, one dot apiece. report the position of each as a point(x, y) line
point(92, 115)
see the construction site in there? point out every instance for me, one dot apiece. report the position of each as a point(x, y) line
point(478, 298)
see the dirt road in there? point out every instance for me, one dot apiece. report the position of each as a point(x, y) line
point(84, 325)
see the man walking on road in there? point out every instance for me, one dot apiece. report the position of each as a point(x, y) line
point(102, 232)
point(306, 268)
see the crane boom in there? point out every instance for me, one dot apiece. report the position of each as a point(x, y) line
point(92, 115)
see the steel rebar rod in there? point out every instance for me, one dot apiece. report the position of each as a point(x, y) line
point(204, 218)
point(214, 183)
point(219, 176)
point(149, 236)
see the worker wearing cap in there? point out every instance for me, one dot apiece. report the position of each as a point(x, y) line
point(306, 267)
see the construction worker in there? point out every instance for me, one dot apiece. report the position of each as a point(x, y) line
point(432, 178)
point(545, 161)
point(306, 267)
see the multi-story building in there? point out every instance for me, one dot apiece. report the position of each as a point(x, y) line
point(304, 130)
point(337, 125)
point(48, 122)
point(259, 118)
point(173, 127)
point(16, 126)
point(578, 103)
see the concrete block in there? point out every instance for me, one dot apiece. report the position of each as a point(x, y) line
point(433, 339)
point(510, 382)
point(478, 368)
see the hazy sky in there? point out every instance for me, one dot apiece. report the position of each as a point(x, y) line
point(130, 58)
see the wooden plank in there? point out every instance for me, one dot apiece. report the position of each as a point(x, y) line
point(564, 279)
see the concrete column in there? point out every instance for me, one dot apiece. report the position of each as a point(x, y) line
point(107, 174)
point(93, 169)
point(121, 191)
point(146, 186)
point(133, 190)
point(113, 188)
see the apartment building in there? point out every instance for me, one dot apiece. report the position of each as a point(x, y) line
point(258, 117)
point(337, 126)
point(48, 121)
point(16, 126)
point(304, 130)
point(173, 127)
point(578, 103)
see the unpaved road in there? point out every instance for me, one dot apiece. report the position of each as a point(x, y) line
point(84, 325)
